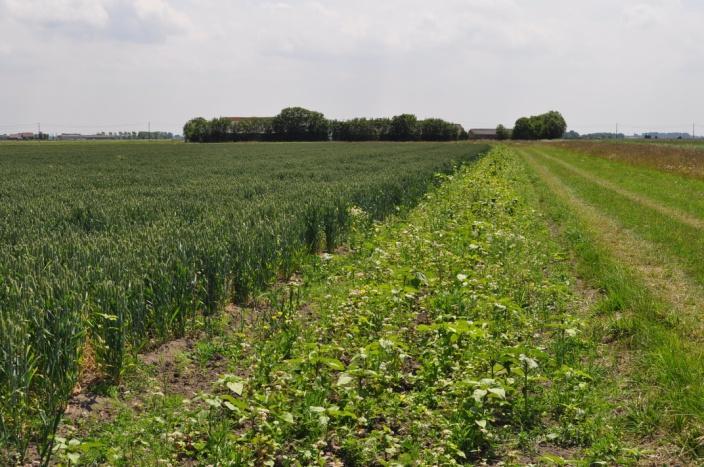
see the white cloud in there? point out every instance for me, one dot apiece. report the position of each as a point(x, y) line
point(88, 12)
point(475, 61)
point(122, 20)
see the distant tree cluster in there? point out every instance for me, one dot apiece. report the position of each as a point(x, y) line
point(550, 125)
point(405, 127)
point(299, 124)
point(200, 130)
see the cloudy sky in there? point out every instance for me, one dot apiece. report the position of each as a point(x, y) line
point(88, 65)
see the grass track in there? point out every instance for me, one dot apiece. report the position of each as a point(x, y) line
point(671, 190)
point(676, 214)
point(682, 243)
point(665, 396)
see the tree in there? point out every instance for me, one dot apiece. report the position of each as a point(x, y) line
point(299, 124)
point(194, 131)
point(436, 129)
point(403, 127)
point(502, 133)
point(553, 125)
point(550, 125)
point(523, 129)
point(219, 130)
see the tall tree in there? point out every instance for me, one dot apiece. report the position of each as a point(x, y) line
point(299, 124)
point(404, 127)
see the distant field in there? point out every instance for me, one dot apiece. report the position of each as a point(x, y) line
point(107, 249)
point(677, 156)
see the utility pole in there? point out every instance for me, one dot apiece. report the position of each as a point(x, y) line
point(617, 129)
point(149, 130)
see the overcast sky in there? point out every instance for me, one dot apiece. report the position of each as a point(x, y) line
point(88, 65)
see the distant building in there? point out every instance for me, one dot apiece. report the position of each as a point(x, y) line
point(21, 136)
point(482, 133)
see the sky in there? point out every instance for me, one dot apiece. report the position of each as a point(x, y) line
point(112, 65)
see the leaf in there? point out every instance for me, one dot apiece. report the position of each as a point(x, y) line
point(344, 379)
point(479, 394)
point(229, 406)
point(239, 403)
point(481, 423)
point(213, 402)
point(551, 459)
point(333, 363)
point(236, 387)
point(500, 392)
point(73, 457)
point(316, 409)
point(287, 417)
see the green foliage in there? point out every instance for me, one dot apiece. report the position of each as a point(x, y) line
point(118, 247)
point(449, 337)
point(502, 133)
point(435, 129)
point(224, 129)
point(404, 127)
point(299, 124)
point(550, 125)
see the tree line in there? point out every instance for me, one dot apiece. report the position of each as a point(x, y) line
point(299, 124)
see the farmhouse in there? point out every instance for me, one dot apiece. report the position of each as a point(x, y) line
point(482, 133)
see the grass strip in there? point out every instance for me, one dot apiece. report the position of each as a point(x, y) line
point(665, 400)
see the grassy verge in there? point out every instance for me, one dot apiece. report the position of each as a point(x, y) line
point(670, 189)
point(452, 336)
point(674, 158)
point(682, 242)
point(663, 397)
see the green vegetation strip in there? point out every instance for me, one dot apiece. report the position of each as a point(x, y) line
point(664, 393)
point(449, 337)
point(109, 249)
point(683, 243)
point(678, 193)
point(637, 198)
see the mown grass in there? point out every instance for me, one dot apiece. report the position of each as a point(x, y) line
point(683, 159)
point(684, 243)
point(664, 401)
point(670, 189)
point(450, 336)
